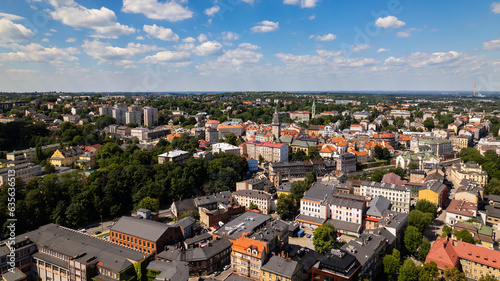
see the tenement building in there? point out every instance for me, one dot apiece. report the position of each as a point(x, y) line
point(470, 171)
point(399, 196)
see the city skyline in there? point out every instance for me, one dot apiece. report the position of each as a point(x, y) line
point(254, 45)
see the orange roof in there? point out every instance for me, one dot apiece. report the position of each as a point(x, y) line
point(173, 136)
point(443, 254)
point(478, 254)
point(229, 127)
point(404, 138)
point(242, 244)
point(213, 122)
point(328, 149)
point(355, 125)
point(337, 140)
point(361, 153)
point(344, 143)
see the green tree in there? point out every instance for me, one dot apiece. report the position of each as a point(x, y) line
point(285, 207)
point(310, 178)
point(149, 203)
point(488, 277)
point(231, 138)
point(392, 263)
point(409, 271)
point(423, 250)
point(379, 152)
point(412, 166)
point(465, 236)
point(430, 272)
point(132, 125)
point(446, 231)
point(102, 121)
point(253, 206)
point(426, 206)
point(313, 152)
point(261, 159)
point(453, 274)
point(419, 220)
point(429, 123)
point(325, 238)
point(386, 154)
point(412, 238)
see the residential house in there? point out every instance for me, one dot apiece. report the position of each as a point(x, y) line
point(336, 265)
point(66, 156)
point(469, 191)
point(400, 196)
point(375, 210)
point(248, 197)
point(434, 192)
point(280, 268)
point(460, 210)
point(314, 205)
point(176, 156)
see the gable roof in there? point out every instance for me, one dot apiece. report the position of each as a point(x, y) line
point(141, 228)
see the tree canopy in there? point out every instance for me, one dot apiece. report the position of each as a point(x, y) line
point(325, 238)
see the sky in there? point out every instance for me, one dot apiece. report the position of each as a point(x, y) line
point(249, 45)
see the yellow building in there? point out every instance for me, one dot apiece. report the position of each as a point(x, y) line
point(87, 161)
point(65, 157)
point(470, 171)
point(433, 191)
point(278, 268)
point(284, 189)
point(247, 257)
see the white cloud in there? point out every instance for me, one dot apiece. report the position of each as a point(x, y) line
point(360, 47)
point(381, 50)
point(202, 38)
point(71, 40)
point(37, 53)
point(302, 3)
point(53, 30)
point(209, 48)
point(230, 36)
point(168, 56)
point(394, 61)
point(231, 61)
point(105, 52)
point(492, 45)
point(248, 46)
point(265, 26)
point(389, 22)
point(301, 60)
point(13, 32)
point(45, 40)
point(102, 20)
point(170, 10)
point(326, 37)
point(161, 32)
point(189, 40)
point(425, 59)
point(406, 33)
point(10, 16)
point(139, 38)
point(248, 1)
point(495, 7)
point(212, 11)
point(311, 17)
point(328, 54)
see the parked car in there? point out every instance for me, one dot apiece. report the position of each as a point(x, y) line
point(216, 273)
point(308, 236)
point(227, 266)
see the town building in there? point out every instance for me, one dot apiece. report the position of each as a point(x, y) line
point(460, 210)
point(400, 196)
point(106, 110)
point(300, 115)
point(204, 258)
point(336, 265)
point(248, 256)
point(261, 183)
point(248, 197)
point(469, 191)
point(280, 268)
point(469, 170)
point(25, 172)
point(176, 156)
point(119, 115)
point(226, 148)
point(475, 261)
point(434, 192)
point(150, 116)
point(369, 250)
point(144, 235)
point(270, 152)
point(346, 212)
point(133, 117)
point(276, 124)
point(346, 163)
point(314, 205)
point(165, 271)
point(30, 153)
point(236, 129)
point(374, 212)
point(66, 156)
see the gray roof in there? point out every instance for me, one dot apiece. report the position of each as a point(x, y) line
point(224, 196)
point(73, 243)
point(282, 267)
point(13, 276)
point(205, 200)
point(378, 205)
point(184, 205)
point(253, 194)
point(492, 211)
point(236, 277)
point(494, 198)
point(389, 238)
point(347, 200)
point(185, 222)
point(311, 219)
point(362, 253)
point(393, 219)
point(345, 226)
point(198, 239)
point(214, 247)
point(318, 192)
point(140, 228)
point(244, 223)
point(435, 186)
point(285, 187)
point(386, 186)
point(176, 270)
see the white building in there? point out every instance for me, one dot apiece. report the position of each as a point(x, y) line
point(106, 110)
point(133, 117)
point(25, 172)
point(460, 210)
point(259, 198)
point(150, 116)
point(119, 115)
point(400, 196)
point(226, 148)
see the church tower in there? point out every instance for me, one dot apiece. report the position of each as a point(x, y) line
point(314, 108)
point(276, 124)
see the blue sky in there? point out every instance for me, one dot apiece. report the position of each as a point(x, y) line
point(240, 45)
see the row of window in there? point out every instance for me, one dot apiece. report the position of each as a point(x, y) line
point(132, 240)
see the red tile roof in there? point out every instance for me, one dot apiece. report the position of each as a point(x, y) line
point(443, 254)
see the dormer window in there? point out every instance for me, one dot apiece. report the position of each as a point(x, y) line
point(254, 252)
point(249, 250)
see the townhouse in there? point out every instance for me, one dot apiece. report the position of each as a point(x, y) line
point(400, 196)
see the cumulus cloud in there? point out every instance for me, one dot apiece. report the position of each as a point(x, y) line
point(189, 40)
point(212, 11)
point(105, 52)
point(13, 32)
point(425, 59)
point(170, 10)
point(328, 54)
point(248, 46)
point(389, 22)
point(360, 47)
point(161, 32)
point(209, 48)
point(37, 53)
point(326, 37)
point(139, 38)
point(265, 26)
point(10, 16)
point(168, 56)
point(230, 36)
point(231, 61)
point(381, 50)
point(492, 45)
point(495, 7)
point(302, 3)
point(70, 40)
point(406, 33)
point(102, 20)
